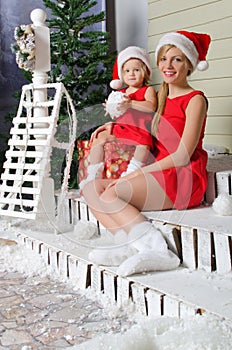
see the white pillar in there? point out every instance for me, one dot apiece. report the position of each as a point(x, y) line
point(46, 209)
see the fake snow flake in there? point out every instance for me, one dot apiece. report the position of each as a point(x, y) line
point(222, 205)
point(114, 98)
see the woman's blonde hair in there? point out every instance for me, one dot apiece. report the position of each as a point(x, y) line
point(163, 90)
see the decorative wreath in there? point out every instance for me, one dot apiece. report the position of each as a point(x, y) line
point(25, 47)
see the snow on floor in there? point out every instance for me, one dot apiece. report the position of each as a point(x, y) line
point(162, 333)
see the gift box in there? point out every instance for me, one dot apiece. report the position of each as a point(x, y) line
point(117, 157)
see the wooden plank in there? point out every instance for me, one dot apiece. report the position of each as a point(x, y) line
point(192, 17)
point(220, 140)
point(204, 250)
point(83, 211)
point(218, 124)
point(96, 279)
point(74, 212)
point(44, 252)
point(171, 235)
point(18, 214)
point(178, 7)
point(83, 269)
point(29, 243)
point(34, 119)
point(22, 166)
point(210, 193)
point(222, 253)
point(16, 201)
point(154, 303)
point(72, 268)
point(21, 238)
point(186, 310)
point(188, 239)
point(123, 291)
point(17, 189)
point(63, 264)
point(53, 258)
point(18, 177)
point(219, 105)
point(16, 142)
point(91, 217)
point(223, 181)
point(109, 283)
point(29, 154)
point(138, 297)
point(32, 131)
point(171, 306)
point(37, 246)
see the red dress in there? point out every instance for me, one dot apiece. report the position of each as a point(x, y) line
point(133, 127)
point(185, 185)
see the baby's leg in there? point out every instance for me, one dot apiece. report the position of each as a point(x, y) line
point(96, 166)
point(141, 153)
point(138, 160)
point(97, 147)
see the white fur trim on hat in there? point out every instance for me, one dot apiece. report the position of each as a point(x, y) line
point(128, 53)
point(181, 42)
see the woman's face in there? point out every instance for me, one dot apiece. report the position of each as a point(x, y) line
point(173, 66)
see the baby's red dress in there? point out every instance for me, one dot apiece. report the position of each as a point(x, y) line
point(133, 127)
point(184, 185)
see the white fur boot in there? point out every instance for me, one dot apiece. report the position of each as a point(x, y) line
point(152, 251)
point(115, 254)
point(94, 171)
point(133, 165)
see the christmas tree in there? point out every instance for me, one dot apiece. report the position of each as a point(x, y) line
point(81, 58)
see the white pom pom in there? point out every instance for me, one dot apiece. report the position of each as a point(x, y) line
point(222, 205)
point(112, 103)
point(116, 84)
point(202, 65)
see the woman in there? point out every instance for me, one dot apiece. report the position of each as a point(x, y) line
point(177, 179)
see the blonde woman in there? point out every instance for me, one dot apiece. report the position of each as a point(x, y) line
point(177, 179)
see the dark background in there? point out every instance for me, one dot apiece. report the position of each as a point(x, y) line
point(12, 14)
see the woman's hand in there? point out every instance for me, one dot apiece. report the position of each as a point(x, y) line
point(105, 127)
point(125, 178)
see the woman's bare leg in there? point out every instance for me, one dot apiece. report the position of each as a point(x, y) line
point(120, 206)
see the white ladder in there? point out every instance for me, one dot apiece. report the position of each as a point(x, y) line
point(27, 161)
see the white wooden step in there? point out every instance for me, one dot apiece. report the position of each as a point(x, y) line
point(201, 238)
point(22, 178)
point(32, 120)
point(30, 215)
point(19, 189)
point(181, 292)
point(31, 131)
point(18, 201)
point(23, 154)
point(17, 142)
point(22, 166)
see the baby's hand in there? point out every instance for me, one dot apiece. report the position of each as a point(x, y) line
point(124, 104)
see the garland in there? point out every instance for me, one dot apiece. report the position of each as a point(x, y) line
point(25, 47)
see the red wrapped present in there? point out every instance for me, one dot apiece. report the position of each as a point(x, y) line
point(117, 158)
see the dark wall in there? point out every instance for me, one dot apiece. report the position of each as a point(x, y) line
point(12, 14)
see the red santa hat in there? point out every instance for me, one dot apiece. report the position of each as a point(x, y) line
point(123, 56)
point(193, 45)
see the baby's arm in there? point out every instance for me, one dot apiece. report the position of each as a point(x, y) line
point(149, 105)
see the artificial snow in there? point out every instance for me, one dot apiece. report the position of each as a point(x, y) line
point(114, 98)
point(204, 332)
point(222, 205)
